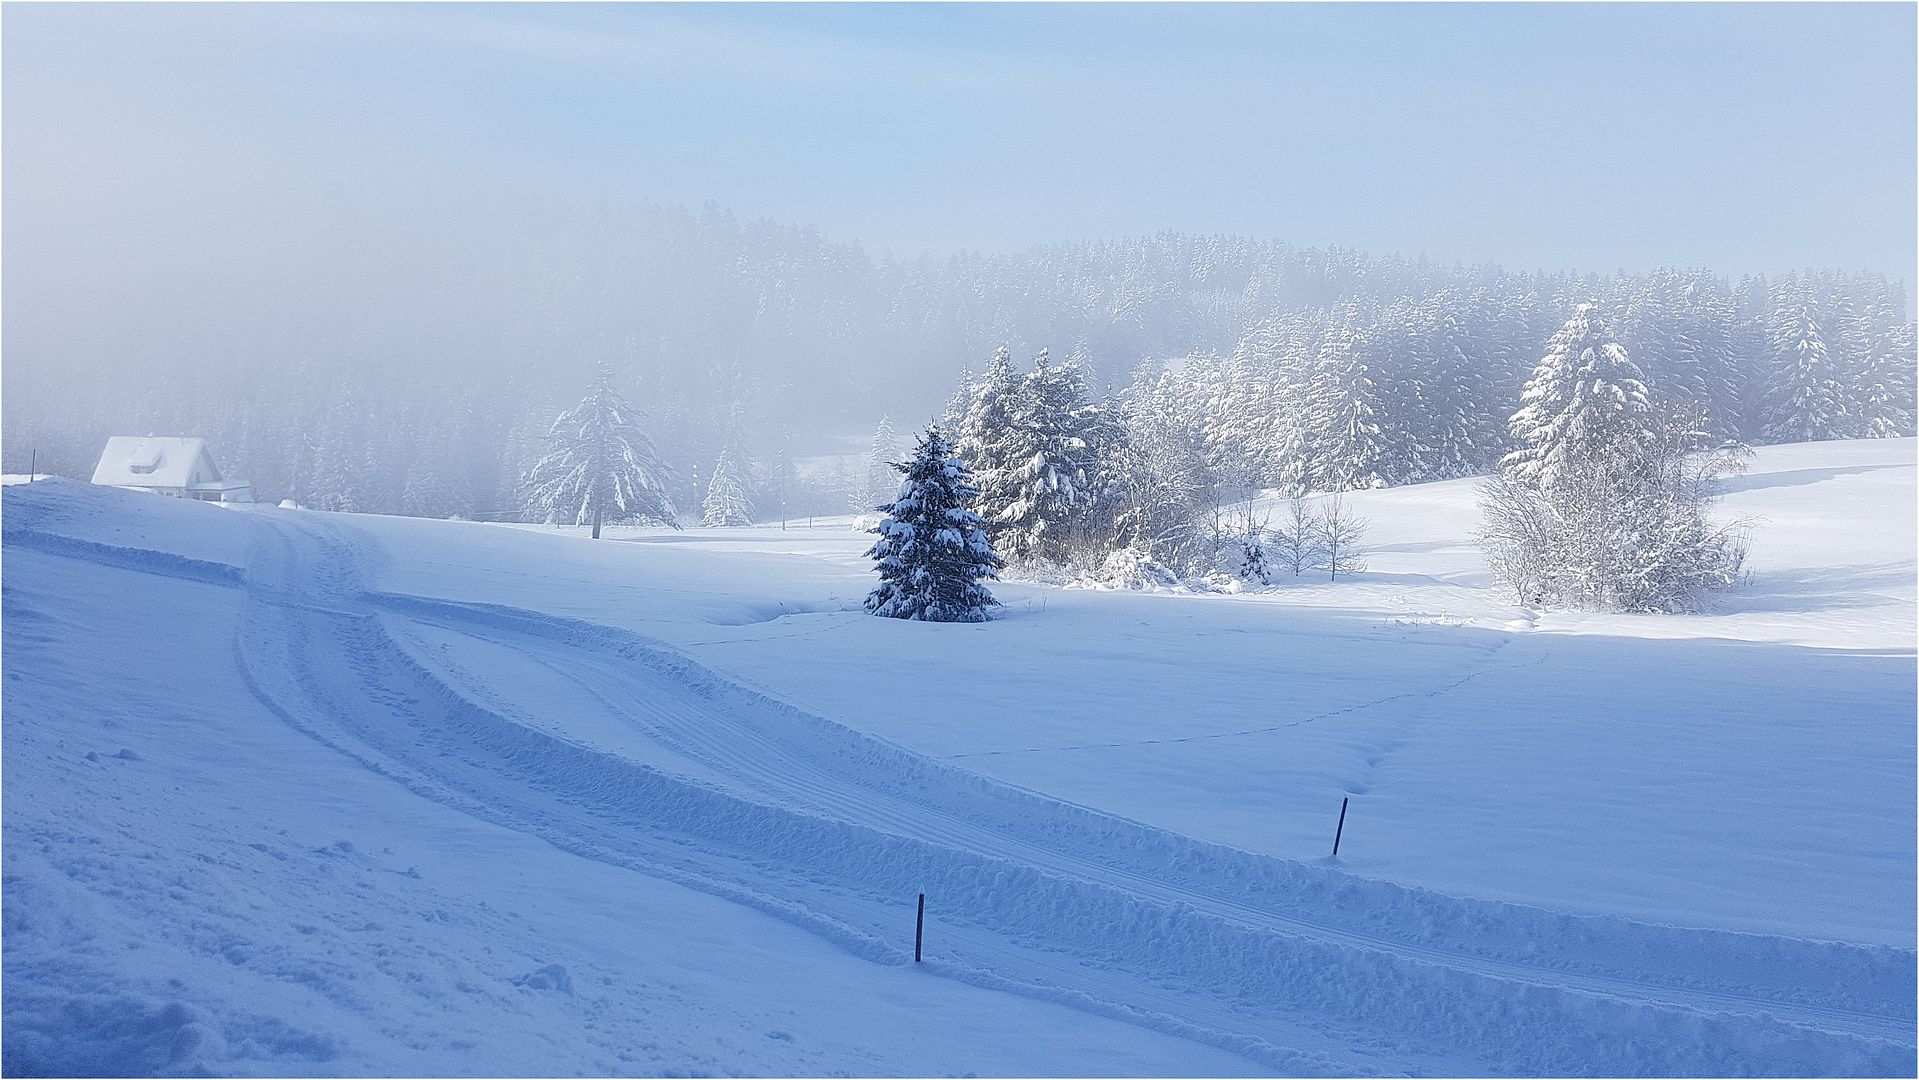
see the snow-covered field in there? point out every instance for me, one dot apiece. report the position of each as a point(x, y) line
point(296, 793)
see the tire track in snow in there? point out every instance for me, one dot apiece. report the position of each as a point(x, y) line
point(652, 836)
point(779, 774)
point(445, 748)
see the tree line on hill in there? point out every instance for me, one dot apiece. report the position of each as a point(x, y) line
point(763, 342)
point(1601, 497)
point(1605, 504)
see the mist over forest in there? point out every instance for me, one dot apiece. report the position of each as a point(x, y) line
point(411, 362)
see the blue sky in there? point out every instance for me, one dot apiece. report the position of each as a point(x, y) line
point(1580, 137)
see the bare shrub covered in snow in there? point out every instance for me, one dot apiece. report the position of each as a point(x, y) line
point(1294, 543)
point(1340, 534)
point(1623, 536)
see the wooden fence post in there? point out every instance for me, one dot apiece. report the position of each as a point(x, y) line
point(919, 929)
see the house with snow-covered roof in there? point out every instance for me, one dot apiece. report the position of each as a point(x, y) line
point(169, 465)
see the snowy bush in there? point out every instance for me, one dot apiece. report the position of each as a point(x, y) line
point(1607, 506)
point(1624, 536)
point(1130, 568)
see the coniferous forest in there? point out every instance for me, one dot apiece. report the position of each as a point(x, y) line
point(750, 347)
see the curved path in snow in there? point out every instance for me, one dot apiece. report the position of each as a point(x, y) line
point(619, 748)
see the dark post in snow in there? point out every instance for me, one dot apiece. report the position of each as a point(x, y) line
point(1342, 824)
point(596, 521)
point(33, 466)
point(919, 929)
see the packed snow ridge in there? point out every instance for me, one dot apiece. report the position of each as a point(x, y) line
point(291, 792)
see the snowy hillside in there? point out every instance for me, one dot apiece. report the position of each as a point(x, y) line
point(292, 793)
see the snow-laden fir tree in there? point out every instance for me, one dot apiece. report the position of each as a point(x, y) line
point(1804, 398)
point(1159, 471)
point(1585, 395)
point(1879, 367)
point(933, 552)
point(1628, 527)
point(599, 466)
point(726, 502)
point(1885, 383)
point(1252, 548)
point(1052, 452)
point(1452, 374)
point(984, 438)
point(1099, 425)
point(1678, 328)
point(1348, 442)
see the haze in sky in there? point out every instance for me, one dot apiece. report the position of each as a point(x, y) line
point(1747, 138)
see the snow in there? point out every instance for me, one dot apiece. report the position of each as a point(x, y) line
point(420, 797)
point(160, 462)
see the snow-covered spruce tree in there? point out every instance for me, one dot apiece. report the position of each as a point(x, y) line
point(1052, 462)
point(335, 482)
point(1752, 352)
point(1681, 343)
point(1099, 425)
point(1349, 445)
point(1629, 531)
point(1278, 440)
point(933, 552)
point(1253, 561)
point(1585, 396)
point(599, 466)
point(1804, 397)
point(1881, 367)
point(1885, 384)
point(726, 499)
point(984, 439)
point(1159, 472)
point(1455, 390)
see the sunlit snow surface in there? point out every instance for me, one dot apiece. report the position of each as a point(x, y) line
point(301, 793)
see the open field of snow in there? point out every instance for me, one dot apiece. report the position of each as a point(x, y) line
point(289, 792)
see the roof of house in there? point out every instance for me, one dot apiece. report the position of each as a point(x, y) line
point(160, 461)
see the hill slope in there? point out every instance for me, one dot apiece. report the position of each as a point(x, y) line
point(291, 792)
